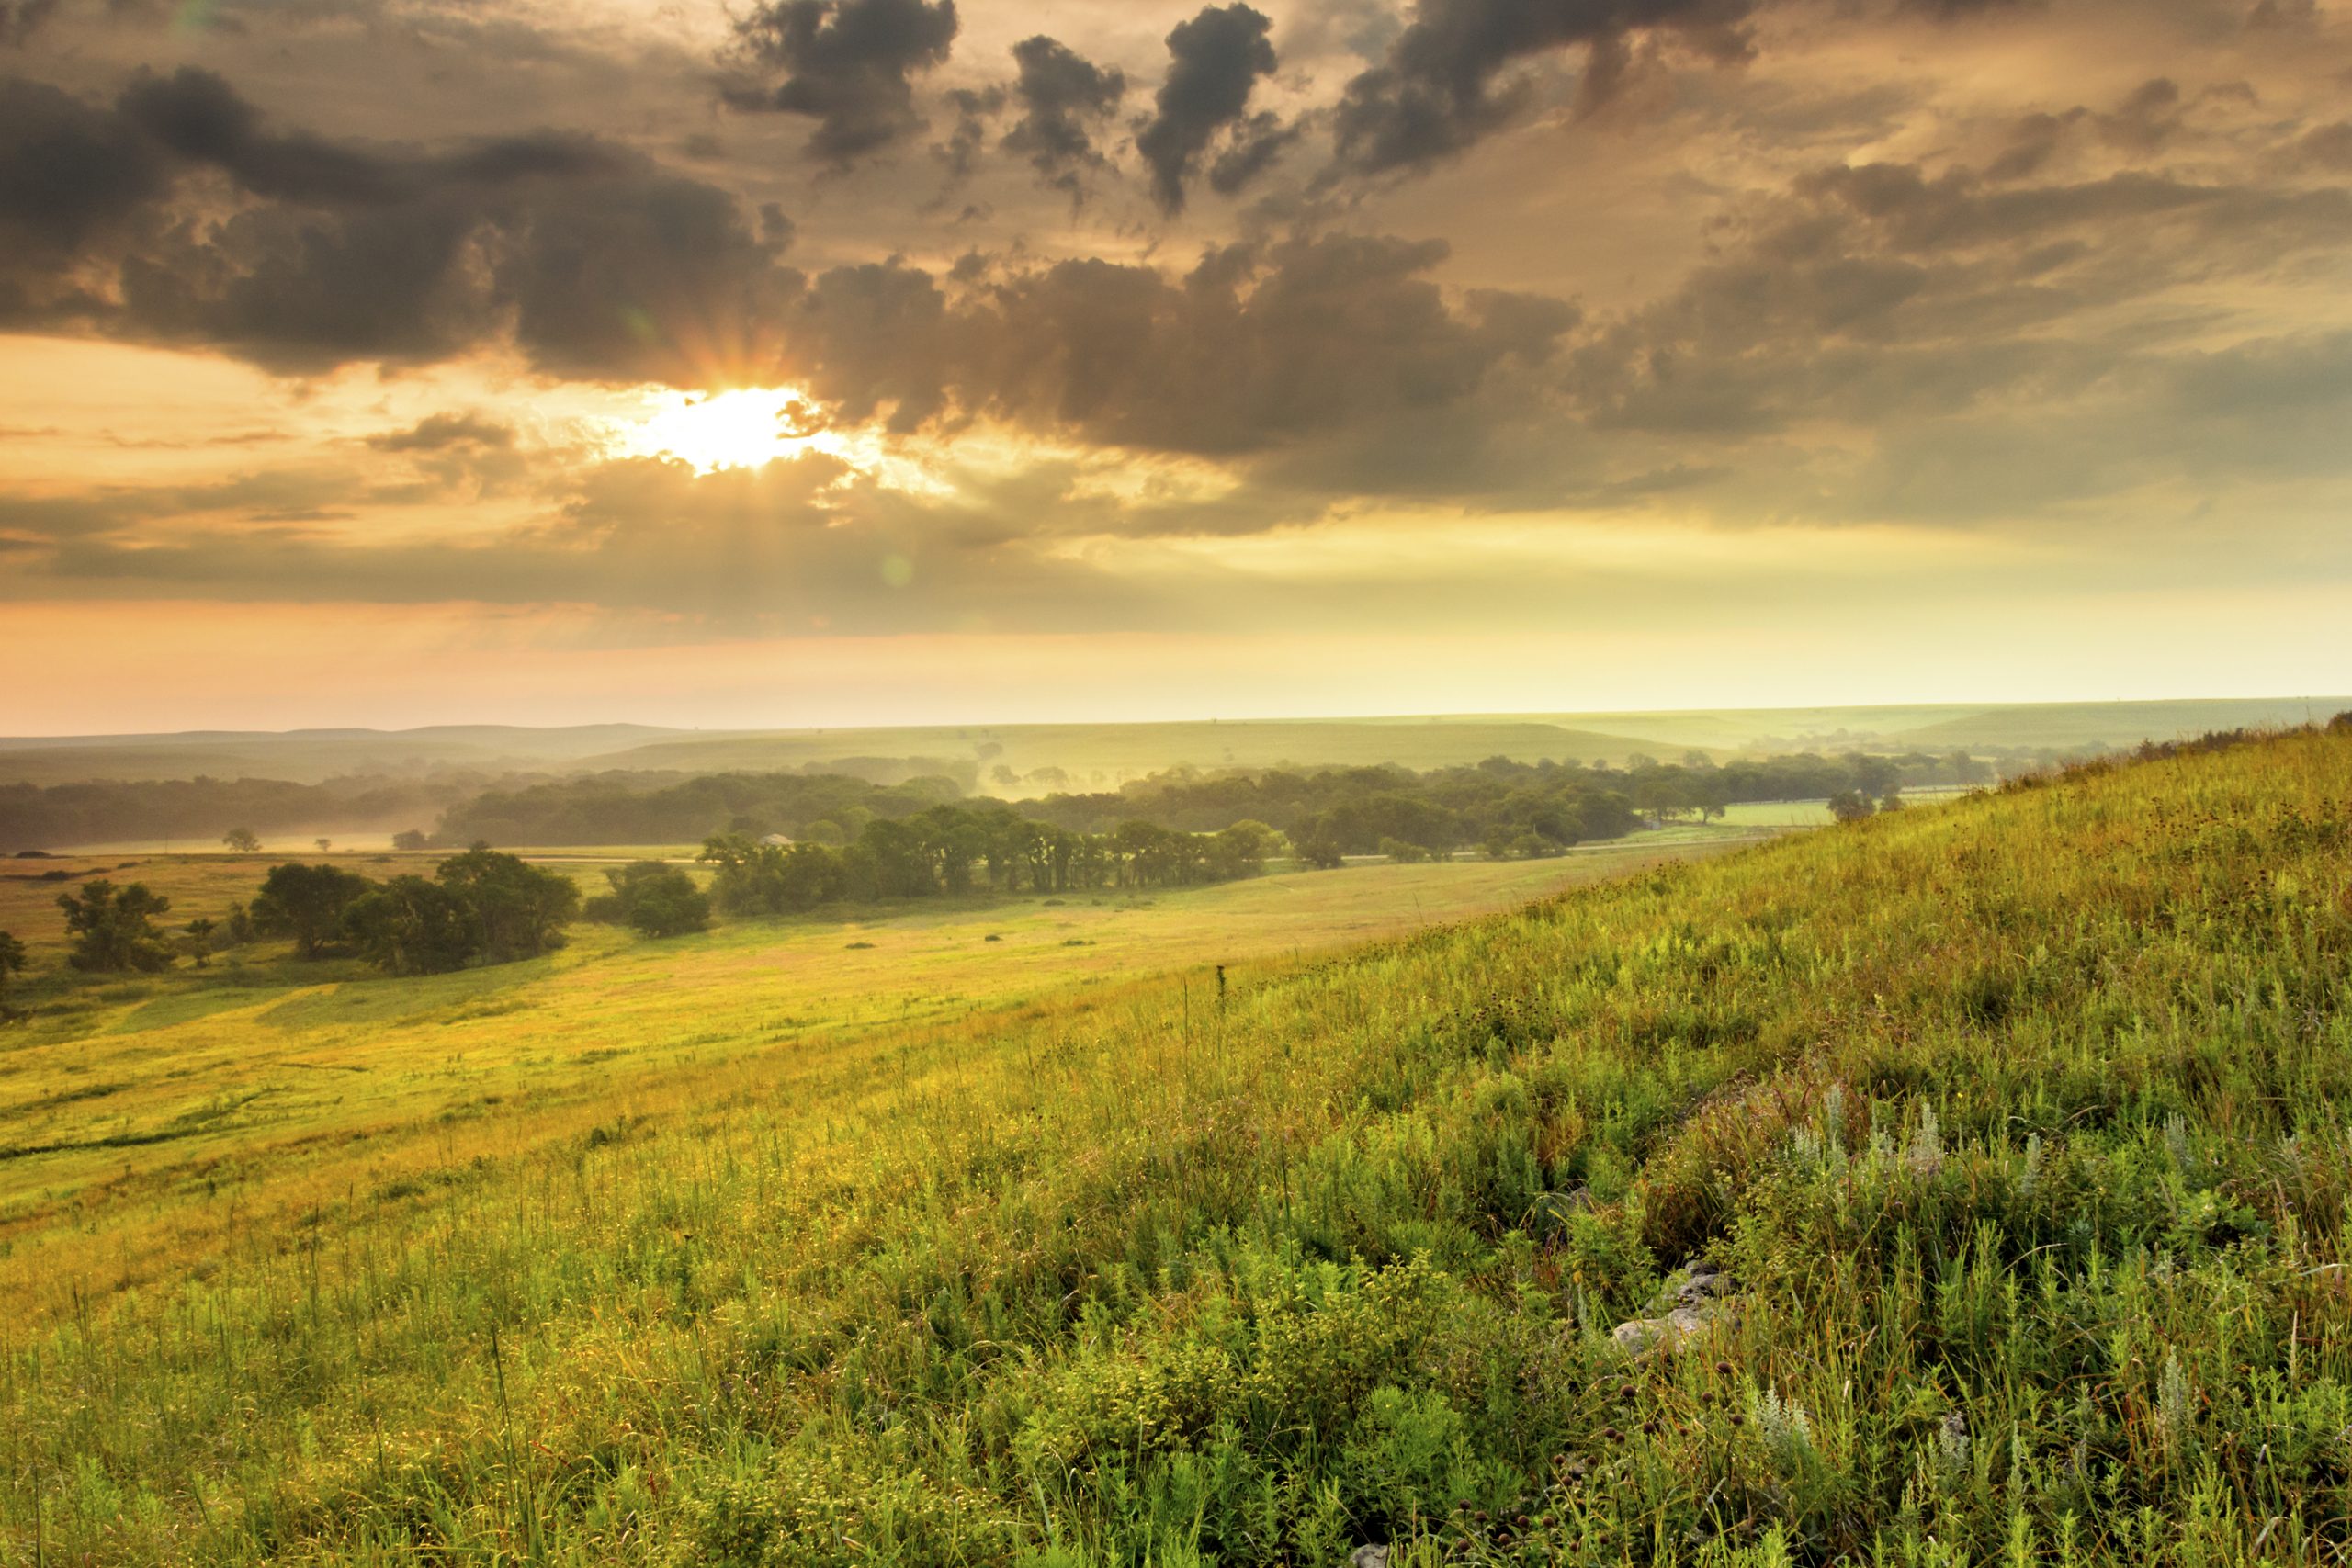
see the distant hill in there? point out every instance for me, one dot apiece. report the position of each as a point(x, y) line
point(1008, 758)
point(307, 756)
point(2119, 724)
point(1105, 755)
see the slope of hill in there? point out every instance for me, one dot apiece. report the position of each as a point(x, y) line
point(2016, 1131)
point(2086, 724)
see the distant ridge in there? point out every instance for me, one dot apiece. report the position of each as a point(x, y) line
point(1104, 755)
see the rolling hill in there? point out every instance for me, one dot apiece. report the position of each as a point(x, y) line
point(1994, 1156)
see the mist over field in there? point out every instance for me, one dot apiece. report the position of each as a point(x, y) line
point(1386, 784)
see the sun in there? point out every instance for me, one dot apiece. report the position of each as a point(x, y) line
point(738, 429)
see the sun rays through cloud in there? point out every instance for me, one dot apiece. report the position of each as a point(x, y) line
point(742, 428)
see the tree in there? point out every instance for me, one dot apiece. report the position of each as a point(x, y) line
point(306, 902)
point(325, 844)
point(12, 964)
point(114, 929)
point(1850, 806)
point(519, 910)
point(200, 942)
point(238, 930)
point(659, 899)
point(242, 840)
point(1241, 849)
point(1318, 852)
point(410, 840)
point(412, 925)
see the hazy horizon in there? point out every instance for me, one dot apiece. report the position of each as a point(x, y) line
point(2318, 700)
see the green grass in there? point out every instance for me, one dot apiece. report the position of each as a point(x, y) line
point(335, 1074)
point(2023, 1124)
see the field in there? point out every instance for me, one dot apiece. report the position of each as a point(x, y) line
point(264, 1085)
point(2019, 1127)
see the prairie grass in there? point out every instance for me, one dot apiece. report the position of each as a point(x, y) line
point(2023, 1124)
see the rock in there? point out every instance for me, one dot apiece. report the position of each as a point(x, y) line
point(1369, 1557)
point(1678, 1328)
point(1700, 1285)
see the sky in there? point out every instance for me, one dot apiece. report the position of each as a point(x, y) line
point(826, 362)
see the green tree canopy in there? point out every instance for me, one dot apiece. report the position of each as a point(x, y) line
point(114, 928)
point(520, 909)
point(412, 925)
point(658, 899)
point(306, 902)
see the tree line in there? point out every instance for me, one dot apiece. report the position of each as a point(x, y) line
point(1500, 807)
point(201, 809)
point(1492, 806)
point(620, 808)
point(481, 907)
point(955, 850)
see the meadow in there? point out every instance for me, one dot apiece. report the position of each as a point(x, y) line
point(2020, 1128)
point(142, 1118)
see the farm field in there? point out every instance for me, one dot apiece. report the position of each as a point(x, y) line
point(263, 1086)
point(2015, 1133)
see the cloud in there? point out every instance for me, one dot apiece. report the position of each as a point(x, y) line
point(1064, 98)
point(72, 177)
point(1440, 89)
point(1257, 144)
point(793, 544)
point(1214, 62)
point(1256, 348)
point(19, 20)
point(848, 64)
point(442, 431)
point(598, 263)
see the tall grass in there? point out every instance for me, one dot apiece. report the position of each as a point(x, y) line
point(2024, 1126)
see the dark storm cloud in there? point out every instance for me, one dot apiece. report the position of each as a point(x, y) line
point(600, 263)
point(1254, 349)
point(975, 107)
point(848, 64)
point(1257, 144)
point(1440, 89)
point(19, 20)
point(1215, 61)
point(1064, 98)
point(71, 175)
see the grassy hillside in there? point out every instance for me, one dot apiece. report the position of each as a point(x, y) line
point(2021, 1128)
point(261, 1085)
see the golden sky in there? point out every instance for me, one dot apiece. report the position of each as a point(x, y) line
point(837, 361)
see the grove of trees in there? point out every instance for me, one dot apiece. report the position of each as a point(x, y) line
point(480, 906)
point(951, 849)
point(608, 808)
point(652, 897)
